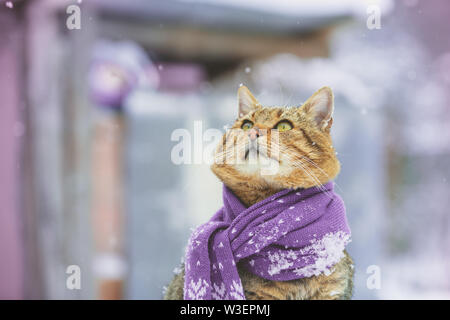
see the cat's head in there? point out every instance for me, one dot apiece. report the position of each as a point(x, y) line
point(279, 147)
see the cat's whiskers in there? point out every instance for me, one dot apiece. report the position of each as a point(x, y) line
point(310, 161)
point(229, 157)
point(300, 164)
point(292, 157)
point(289, 100)
point(232, 151)
point(319, 168)
point(314, 164)
point(313, 177)
point(240, 147)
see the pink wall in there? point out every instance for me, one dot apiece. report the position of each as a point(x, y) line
point(10, 130)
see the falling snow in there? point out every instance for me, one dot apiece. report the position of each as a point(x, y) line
point(177, 270)
point(280, 261)
point(327, 251)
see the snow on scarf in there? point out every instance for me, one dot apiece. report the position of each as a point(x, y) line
point(290, 235)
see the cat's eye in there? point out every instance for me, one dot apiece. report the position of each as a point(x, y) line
point(283, 126)
point(247, 125)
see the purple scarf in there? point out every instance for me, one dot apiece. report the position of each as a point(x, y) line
point(290, 235)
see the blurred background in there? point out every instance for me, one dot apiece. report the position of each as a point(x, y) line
point(88, 107)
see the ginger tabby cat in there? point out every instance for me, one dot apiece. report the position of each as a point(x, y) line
point(306, 158)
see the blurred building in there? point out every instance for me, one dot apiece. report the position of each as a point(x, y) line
point(86, 133)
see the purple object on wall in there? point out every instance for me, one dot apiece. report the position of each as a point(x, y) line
point(117, 68)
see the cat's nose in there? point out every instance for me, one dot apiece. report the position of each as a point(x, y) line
point(253, 134)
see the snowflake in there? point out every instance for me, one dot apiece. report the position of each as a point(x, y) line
point(177, 270)
point(236, 290)
point(219, 292)
point(327, 251)
point(280, 261)
point(309, 209)
point(197, 290)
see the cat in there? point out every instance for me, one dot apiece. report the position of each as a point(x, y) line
point(306, 158)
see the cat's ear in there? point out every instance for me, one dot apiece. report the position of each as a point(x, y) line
point(320, 107)
point(247, 102)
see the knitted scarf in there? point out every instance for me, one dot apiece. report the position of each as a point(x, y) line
point(290, 235)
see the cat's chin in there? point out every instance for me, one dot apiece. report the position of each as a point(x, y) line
point(263, 167)
point(259, 175)
point(271, 176)
point(259, 168)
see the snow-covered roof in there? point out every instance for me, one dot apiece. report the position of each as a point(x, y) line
point(315, 8)
point(249, 15)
